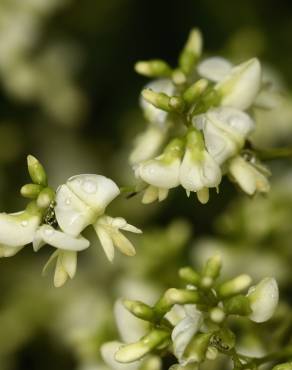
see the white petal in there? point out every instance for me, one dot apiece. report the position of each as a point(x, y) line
point(105, 241)
point(122, 243)
point(7, 251)
point(160, 174)
point(61, 275)
point(152, 113)
point(214, 69)
point(69, 262)
point(203, 195)
point(147, 144)
point(95, 190)
point(50, 261)
point(17, 230)
point(150, 195)
point(61, 240)
point(162, 194)
point(72, 214)
point(263, 299)
point(130, 327)
point(198, 174)
point(248, 177)
point(108, 351)
point(240, 88)
point(184, 332)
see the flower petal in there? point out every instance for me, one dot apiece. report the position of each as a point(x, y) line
point(105, 241)
point(7, 251)
point(61, 240)
point(150, 195)
point(123, 244)
point(214, 69)
point(61, 275)
point(108, 351)
point(17, 229)
point(69, 262)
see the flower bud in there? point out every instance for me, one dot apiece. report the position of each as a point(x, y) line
point(213, 267)
point(30, 190)
point(240, 87)
point(250, 178)
point(195, 91)
point(197, 348)
point(189, 275)
point(36, 171)
point(234, 286)
point(217, 315)
point(284, 366)
point(135, 351)
point(162, 101)
point(191, 52)
point(45, 197)
point(237, 305)
point(108, 351)
point(263, 299)
point(153, 68)
point(139, 309)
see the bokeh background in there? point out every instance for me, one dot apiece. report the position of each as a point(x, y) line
point(69, 95)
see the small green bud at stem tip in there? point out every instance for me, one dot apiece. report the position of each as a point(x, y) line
point(30, 190)
point(234, 286)
point(36, 171)
point(153, 68)
point(189, 275)
point(139, 309)
point(45, 198)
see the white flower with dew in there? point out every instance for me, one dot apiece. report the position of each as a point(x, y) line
point(249, 177)
point(241, 86)
point(162, 172)
point(263, 299)
point(198, 170)
point(225, 130)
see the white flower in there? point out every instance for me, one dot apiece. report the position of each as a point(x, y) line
point(147, 144)
point(65, 266)
point(162, 172)
point(16, 231)
point(198, 169)
point(214, 68)
point(82, 200)
point(263, 300)
point(225, 130)
point(107, 229)
point(153, 114)
point(241, 86)
point(251, 178)
point(185, 330)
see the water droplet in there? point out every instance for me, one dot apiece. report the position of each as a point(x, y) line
point(24, 223)
point(67, 201)
point(89, 186)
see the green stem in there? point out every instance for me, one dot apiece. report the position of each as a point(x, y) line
point(274, 153)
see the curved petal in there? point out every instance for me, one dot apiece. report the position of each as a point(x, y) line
point(7, 251)
point(61, 240)
point(72, 214)
point(96, 191)
point(214, 69)
point(105, 241)
point(17, 230)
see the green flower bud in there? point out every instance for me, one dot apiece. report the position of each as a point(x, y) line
point(36, 171)
point(234, 286)
point(284, 366)
point(197, 348)
point(212, 267)
point(153, 68)
point(30, 190)
point(238, 305)
point(217, 315)
point(195, 91)
point(191, 52)
point(135, 351)
point(45, 198)
point(139, 309)
point(163, 101)
point(189, 275)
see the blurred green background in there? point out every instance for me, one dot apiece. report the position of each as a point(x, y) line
point(69, 95)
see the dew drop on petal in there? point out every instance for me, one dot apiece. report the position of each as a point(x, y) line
point(24, 223)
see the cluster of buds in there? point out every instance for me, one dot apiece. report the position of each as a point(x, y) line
point(192, 323)
point(199, 112)
point(59, 217)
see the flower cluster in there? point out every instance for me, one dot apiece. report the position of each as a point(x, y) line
point(58, 219)
point(192, 323)
point(202, 111)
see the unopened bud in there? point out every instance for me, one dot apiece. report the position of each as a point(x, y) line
point(217, 315)
point(237, 305)
point(153, 68)
point(212, 267)
point(45, 198)
point(135, 351)
point(197, 348)
point(139, 309)
point(234, 286)
point(36, 171)
point(191, 52)
point(189, 275)
point(30, 190)
point(195, 91)
point(284, 366)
